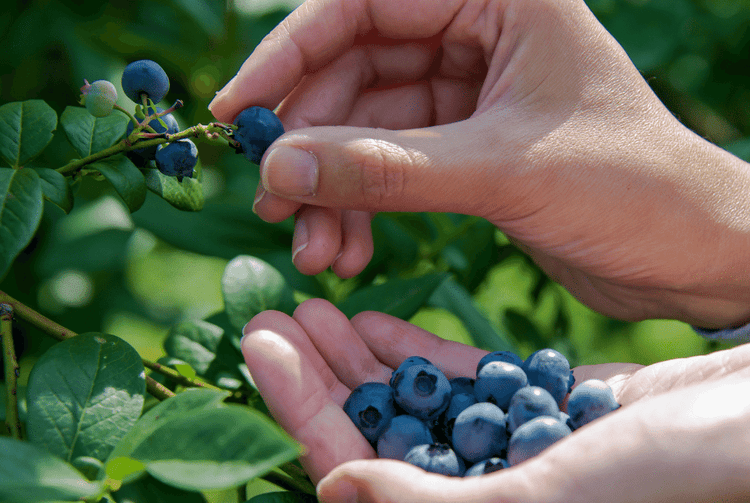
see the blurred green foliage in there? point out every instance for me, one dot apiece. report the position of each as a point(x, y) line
point(102, 269)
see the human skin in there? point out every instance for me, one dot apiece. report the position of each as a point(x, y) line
point(526, 113)
point(680, 435)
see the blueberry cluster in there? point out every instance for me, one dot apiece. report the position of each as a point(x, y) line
point(471, 426)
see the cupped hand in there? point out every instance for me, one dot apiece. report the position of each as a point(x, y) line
point(526, 113)
point(681, 434)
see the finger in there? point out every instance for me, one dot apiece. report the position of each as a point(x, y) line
point(272, 208)
point(317, 239)
point(296, 395)
point(356, 244)
point(316, 33)
point(339, 344)
point(393, 340)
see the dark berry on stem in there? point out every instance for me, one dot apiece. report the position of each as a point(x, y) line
point(257, 129)
point(177, 159)
point(145, 77)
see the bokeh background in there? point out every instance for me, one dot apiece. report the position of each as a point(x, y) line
point(101, 268)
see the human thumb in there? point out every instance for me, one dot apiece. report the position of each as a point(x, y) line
point(442, 168)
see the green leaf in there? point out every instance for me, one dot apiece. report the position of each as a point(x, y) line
point(215, 449)
point(125, 177)
point(250, 285)
point(89, 134)
point(190, 400)
point(283, 497)
point(194, 342)
point(56, 188)
point(84, 394)
point(455, 298)
point(186, 195)
point(149, 490)
point(26, 128)
point(397, 297)
point(29, 474)
point(21, 207)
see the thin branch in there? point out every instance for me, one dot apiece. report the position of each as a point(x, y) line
point(12, 420)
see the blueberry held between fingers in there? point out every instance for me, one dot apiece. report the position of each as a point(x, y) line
point(436, 458)
point(257, 129)
point(145, 77)
point(422, 390)
point(533, 437)
point(177, 159)
point(371, 408)
point(590, 400)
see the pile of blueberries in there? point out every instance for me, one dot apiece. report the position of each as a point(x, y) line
point(466, 427)
point(145, 81)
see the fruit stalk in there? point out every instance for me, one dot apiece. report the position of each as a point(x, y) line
point(12, 420)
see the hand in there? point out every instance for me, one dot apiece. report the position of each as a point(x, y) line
point(526, 113)
point(681, 434)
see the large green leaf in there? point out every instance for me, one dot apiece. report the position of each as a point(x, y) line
point(186, 195)
point(56, 188)
point(21, 207)
point(215, 449)
point(397, 297)
point(29, 474)
point(26, 127)
point(453, 297)
point(149, 490)
point(84, 394)
point(194, 342)
point(251, 285)
point(89, 134)
point(125, 177)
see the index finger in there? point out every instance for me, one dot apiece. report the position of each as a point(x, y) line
point(315, 34)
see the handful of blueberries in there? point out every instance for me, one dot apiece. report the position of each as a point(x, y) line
point(464, 426)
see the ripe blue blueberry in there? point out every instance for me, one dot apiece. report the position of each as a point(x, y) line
point(145, 77)
point(528, 403)
point(461, 385)
point(370, 406)
point(533, 437)
point(436, 458)
point(590, 400)
point(499, 356)
point(458, 403)
point(141, 156)
point(497, 381)
point(412, 360)
point(99, 97)
point(177, 159)
point(403, 433)
point(479, 432)
point(486, 466)
point(257, 129)
point(422, 390)
point(550, 370)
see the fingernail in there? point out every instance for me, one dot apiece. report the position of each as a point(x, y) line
point(258, 197)
point(221, 93)
point(289, 171)
point(300, 238)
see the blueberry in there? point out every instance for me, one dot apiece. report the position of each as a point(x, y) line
point(499, 356)
point(370, 406)
point(145, 77)
point(458, 403)
point(422, 390)
point(403, 433)
point(528, 403)
point(177, 158)
point(461, 385)
point(141, 156)
point(257, 129)
point(436, 458)
point(550, 370)
point(412, 360)
point(99, 97)
point(533, 437)
point(497, 381)
point(590, 400)
point(480, 432)
point(486, 466)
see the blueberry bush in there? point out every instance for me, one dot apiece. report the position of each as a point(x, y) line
point(130, 258)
